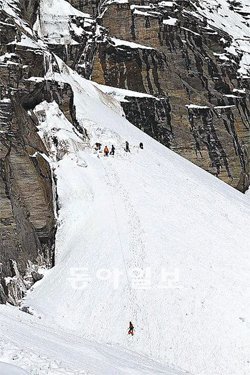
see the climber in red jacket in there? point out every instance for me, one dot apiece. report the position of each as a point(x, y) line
point(131, 329)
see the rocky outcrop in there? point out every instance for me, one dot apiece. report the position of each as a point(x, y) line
point(27, 215)
point(27, 223)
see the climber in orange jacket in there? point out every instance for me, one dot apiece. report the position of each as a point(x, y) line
point(106, 151)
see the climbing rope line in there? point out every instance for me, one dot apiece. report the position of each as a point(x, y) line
point(133, 296)
point(118, 231)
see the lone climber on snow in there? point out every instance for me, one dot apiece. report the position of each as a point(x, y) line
point(131, 329)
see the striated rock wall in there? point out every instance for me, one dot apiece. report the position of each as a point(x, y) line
point(27, 214)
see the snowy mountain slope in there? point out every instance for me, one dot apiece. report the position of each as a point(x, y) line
point(46, 350)
point(152, 210)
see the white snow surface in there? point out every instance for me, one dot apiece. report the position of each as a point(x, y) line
point(170, 21)
point(7, 369)
point(42, 349)
point(150, 210)
point(194, 106)
point(120, 42)
point(166, 4)
point(116, 2)
point(121, 94)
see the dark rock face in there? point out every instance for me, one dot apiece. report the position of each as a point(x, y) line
point(36, 276)
point(27, 221)
point(152, 116)
point(29, 10)
point(26, 215)
point(27, 218)
point(3, 297)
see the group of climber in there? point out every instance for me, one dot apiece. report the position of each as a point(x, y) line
point(111, 151)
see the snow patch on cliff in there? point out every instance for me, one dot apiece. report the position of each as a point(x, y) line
point(53, 21)
point(120, 42)
point(220, 14)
